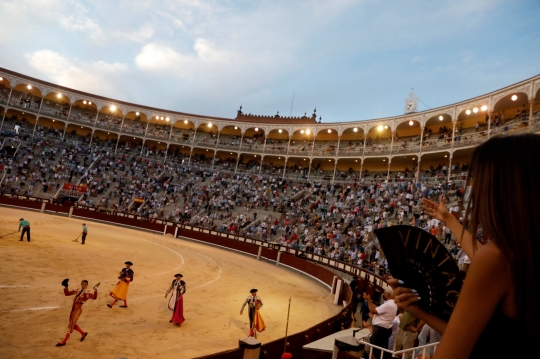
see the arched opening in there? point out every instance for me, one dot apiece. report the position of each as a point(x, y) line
point(17, 122)
point(104, 141)
point(154, 149)
point(182, 132)
point(379, 140)
point(273, 165)
point(55, 104)
point(512, 107)
point(78, 134)
point(460, 165)
point(135, 123)
point(437, 133)
point(352, 142)
point(407, 137)
point(129, 146)
point(110, 118)
point(348, 169)
point(249, 163)
point(322, 169)
point(201, 158)
point(25, 97)
point(229, 137)
point(225, 161)
point(253, 139)
point(178, 153)
point(297, 168)
point(277, 141)
point(5, 89)
point(49, 128)
point(326, 142)
point(301, 142)
point(473, 120)
point(403, 168)
point(434, 168)
point(83, 112)
point(159, 128)
point(375, 169)
point(206, 134)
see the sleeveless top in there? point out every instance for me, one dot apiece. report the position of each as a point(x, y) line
point(500, 339)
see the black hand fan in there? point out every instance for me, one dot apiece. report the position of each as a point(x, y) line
point(423, 263)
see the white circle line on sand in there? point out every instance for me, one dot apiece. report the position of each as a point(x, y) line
point(200, 286)
point(14, 286)
point(36, 308)
point(212, 281)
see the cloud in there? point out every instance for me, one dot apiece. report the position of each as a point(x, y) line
point(156, 57)
point(96, 77)
point(162, 58)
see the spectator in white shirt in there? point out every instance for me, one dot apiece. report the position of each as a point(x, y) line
point(383, 318)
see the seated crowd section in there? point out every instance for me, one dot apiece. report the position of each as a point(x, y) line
point(335, 220)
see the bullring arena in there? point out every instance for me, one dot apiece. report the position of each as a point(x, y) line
point(69, 157)
point(35, 311)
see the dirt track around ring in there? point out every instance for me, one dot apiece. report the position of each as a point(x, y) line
point(34, 312)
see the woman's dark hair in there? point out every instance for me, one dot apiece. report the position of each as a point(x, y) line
point(84, 281)
point(505, 203)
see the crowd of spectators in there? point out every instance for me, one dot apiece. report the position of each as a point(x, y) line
point(335, 220)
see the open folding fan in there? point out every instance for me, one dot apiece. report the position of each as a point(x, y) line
point(423, 263)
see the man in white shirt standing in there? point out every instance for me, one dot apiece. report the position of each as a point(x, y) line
point(383, 317)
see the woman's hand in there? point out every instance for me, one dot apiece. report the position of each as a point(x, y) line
point(436, 210)
point(405, 298)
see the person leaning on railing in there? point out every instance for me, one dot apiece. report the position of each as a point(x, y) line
point(500, 295)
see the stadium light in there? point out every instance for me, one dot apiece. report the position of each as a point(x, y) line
point(185, 121)
point(411, 123)
point(1, 78)
point(386, 127)
point(514, 97)
point(136, 114)
point(441, 118)
point(329, 131)
point(235, 127)
point(167, 119)
point(380, 128)
point(475, 110)
point(84, 102)
point(89, 102)
point(29, 87)
point(256, 129)
point(355, 129)
point(59, 95)
point(210, 125)
point(302, 132)
point(280, 130)
point(468, 112)
point(483, 108)
point(308, 132)
point(113, 108)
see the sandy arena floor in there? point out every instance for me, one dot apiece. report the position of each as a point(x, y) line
point(34, 311)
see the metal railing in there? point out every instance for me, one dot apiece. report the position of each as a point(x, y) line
point(423, 351)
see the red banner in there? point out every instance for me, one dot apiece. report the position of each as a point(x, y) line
point(74, 188)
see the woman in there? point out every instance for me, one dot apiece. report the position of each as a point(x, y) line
point(500, 296)
point(176, 302)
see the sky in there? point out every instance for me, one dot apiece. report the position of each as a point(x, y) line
point(350, 59)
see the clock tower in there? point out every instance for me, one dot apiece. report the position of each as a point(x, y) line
point(411, 103)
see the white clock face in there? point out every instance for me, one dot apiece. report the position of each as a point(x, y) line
point(410, 106)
